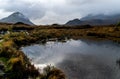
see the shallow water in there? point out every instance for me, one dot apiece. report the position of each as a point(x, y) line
point(78, 59)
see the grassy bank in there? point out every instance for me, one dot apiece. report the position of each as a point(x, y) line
point(76, 32)
point(17, 65)
point(14, 64)
point(108, 32)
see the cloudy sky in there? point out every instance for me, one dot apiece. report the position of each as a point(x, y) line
point(58, 11)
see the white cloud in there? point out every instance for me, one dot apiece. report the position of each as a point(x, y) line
point(28, 7)
point(52, 17)
point(4, 14)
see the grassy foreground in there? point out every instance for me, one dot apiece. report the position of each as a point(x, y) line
point(16, 65)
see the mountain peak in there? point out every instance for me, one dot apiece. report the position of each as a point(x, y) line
point(16, 17)
point(20, 15)
point(17, 13)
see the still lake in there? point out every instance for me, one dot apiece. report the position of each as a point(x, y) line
point(78, 59)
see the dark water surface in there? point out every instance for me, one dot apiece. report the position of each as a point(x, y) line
point(78, 59)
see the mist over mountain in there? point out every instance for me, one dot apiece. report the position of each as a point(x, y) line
point(99, 19)
point(16, 17)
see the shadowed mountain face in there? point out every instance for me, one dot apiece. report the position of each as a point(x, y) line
point(16, 17)
point(100, 19)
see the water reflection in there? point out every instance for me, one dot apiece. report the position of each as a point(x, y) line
point(79, 59)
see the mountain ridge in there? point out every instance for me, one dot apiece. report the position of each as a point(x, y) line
point(99, 19)
point(16, 17)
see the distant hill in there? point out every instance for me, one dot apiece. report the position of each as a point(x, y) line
point(100, 19)
point(15, 18)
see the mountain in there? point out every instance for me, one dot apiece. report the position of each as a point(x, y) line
point(16, 17)
point(74, 22)
point(99, 19)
